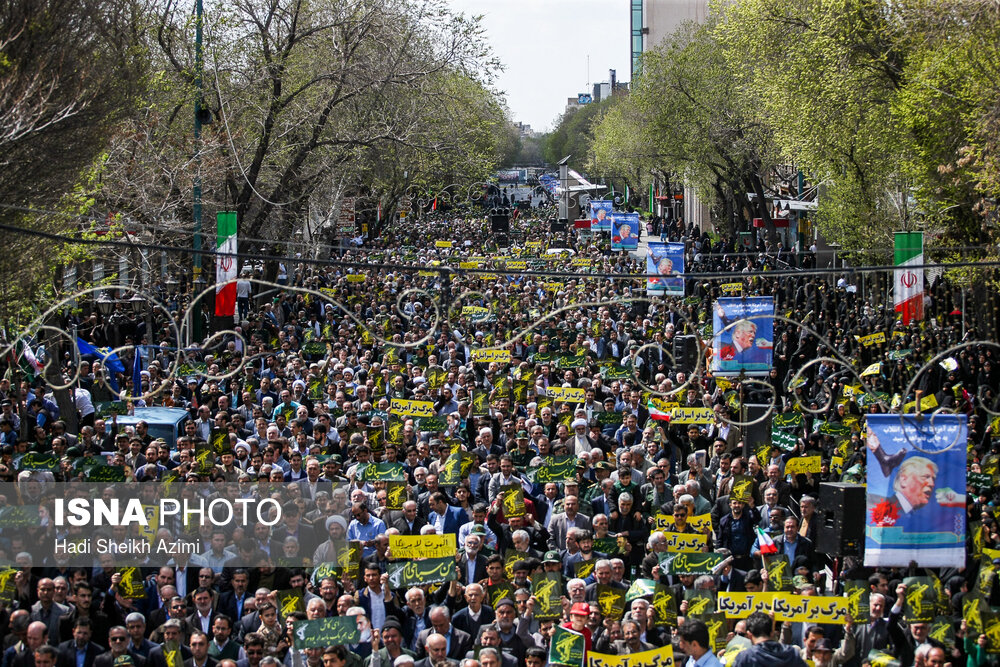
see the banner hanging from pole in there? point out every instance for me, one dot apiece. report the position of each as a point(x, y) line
point(916, 490)
point(908, 295)
point(225, 264)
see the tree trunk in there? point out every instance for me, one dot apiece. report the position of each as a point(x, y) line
point(758, 187)
point(54, 377)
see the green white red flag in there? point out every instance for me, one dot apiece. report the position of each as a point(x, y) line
point(909, 288)
point(225, 264)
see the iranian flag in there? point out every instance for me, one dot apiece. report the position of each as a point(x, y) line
point(909, 289)
point(767, 545)
point(225, 264)
point(657, 411)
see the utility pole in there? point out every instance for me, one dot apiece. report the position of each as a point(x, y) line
point(196, 241)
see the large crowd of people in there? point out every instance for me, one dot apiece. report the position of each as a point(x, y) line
point(303, 399)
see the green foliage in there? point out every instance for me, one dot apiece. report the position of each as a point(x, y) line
point(574, 134)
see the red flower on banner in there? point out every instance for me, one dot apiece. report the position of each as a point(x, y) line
point(885, 513)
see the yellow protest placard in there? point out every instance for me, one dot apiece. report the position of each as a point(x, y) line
point(468, 265)
point(873, 369)
point(809, 608)
point(533, 244)
point(488, 276)
point(926, 403)
point(741, 605)
point(723, 383)
point(487, 355)
point(702, 522)
point(567, 394)
point(581, 261)
point(412, 408)
point(442, 244)
point(872, 339)
point(422, 546)
point(516, 265)
point(800, 465)
point(657, 657)
point(355, 277)
point(553, 287)
point(691, 416)
point(732, 289)
point(685, 542)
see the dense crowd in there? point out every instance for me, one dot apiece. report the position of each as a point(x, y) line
point(302, 396)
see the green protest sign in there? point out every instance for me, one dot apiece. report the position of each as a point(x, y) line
point(779, 572)
point(322, 632)
point(608, 546)
point(19, 516)
point(314, 348)
point(921, 600)
point(432, 424)
point(783, 440)
point(567, 648)
point(419, 572)
point(7, 586)
point(640, 588)
point(499, 591)
point(554, 469)
point(131, 585)
point(290, 601)
point(787, 420)
point(664, 607)
point(547, 589)
point(611, 601)
point(689, 563)
point(609, 418)
point(382, 472)
point(857, 593)
point(701, 603)
point(105, 474)
point(36, 461)
point(376, 438)
point(108, 408)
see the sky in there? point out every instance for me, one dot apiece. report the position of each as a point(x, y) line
point(544, 45)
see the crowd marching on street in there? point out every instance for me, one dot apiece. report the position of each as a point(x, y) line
point(583, 481)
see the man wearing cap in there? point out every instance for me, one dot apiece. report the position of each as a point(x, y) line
point(579, 613)
point(387, 645)
point(523, 453)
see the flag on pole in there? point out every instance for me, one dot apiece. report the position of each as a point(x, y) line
point(225, 264)
point(137, 374)
point(909, 289)
point(112, 363)
point(26, 360)
point(767, 545)
point(378, 212)
point(434, 206)
point(651, 199)
point(656, 413)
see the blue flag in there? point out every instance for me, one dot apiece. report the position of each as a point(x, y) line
point(107, 357)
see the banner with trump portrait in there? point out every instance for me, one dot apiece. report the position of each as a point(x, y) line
point(664, 263)
point(916, 490)
point(743, 341)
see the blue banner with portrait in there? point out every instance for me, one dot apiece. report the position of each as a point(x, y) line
point(744, 336)
point(664, 261)
point(600, 215)
point(624, 231)
point(916, 490)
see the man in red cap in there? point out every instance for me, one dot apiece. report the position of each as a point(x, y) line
point(578, 615)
